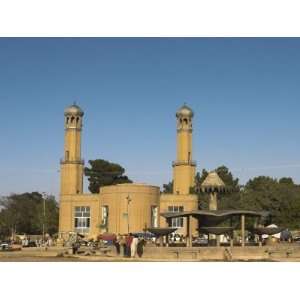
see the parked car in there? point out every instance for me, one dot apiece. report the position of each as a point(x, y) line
point(175, 238)
point(4, 245)
point(201, 241)
point(30, 244)
point(286, 236)
point(296, 238)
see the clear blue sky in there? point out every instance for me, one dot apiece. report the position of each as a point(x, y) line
point(245, 94)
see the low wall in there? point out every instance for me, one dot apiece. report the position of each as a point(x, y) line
point(222, 253)
point(176, 254)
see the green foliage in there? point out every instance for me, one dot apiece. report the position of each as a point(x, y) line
point(281, 198)
point(231, 198)
point(104, 173)
point(24, 213)
point(199, 178)
point(168, 188)
point(203, 199)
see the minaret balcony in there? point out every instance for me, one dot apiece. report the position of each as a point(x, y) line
point(184, 163)
point(68, 161)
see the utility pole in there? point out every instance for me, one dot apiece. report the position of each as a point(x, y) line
point(128, 202)
point(44, 215)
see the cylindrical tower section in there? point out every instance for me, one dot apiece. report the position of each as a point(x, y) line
point(72, 164)
point(73, 127)
point(184, 166)
point(130, 207)
point(184, 145)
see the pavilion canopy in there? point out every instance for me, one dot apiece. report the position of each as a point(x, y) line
point(266, 230)
point(216, 230)
point(213, 218)
point(214, 213)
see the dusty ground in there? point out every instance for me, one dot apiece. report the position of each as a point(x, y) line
point(90, 259)
point(54, 255)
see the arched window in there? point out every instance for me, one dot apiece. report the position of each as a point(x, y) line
point(77, 120)
point(185, 121)
point(67, 120)
point(72, 120)
point(67, 155)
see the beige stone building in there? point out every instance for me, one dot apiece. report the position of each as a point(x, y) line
point(124, 208)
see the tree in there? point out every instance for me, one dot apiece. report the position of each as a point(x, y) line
point(230, 199)
point(203, 199)
point(227, 177)
point(168, 188)
point(24, 213)
point(279, 197)
point(104, 173)
point(200, 177)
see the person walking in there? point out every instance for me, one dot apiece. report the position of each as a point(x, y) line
point(140, 247)
point(133, 246)
point(123, 246)
point(117, 244)
point(129, 240)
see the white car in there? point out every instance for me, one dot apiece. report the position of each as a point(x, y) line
point(202, 240)
point(175, 238)
point(4, 245)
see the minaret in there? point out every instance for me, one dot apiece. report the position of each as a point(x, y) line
point(72, 164)
point(184, 167)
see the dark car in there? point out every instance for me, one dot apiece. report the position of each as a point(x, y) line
point(286, 236)
point(30, 244)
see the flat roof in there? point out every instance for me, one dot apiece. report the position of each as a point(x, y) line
point(216, 213)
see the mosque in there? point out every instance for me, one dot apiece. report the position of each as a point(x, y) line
point(125, 208)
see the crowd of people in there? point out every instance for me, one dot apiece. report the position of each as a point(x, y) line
point(27, 242)
point(129, 245)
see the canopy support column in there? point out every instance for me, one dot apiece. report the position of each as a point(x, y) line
point(243, 229)
point(231, 234)
point(189, 231)
point(161, 241)
point(231, 240)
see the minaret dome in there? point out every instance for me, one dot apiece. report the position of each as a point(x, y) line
point(185, 111)
point(74, 110)
point(184, 118)
point(73, 117)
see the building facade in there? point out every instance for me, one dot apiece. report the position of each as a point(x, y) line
point(123, 208)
